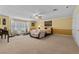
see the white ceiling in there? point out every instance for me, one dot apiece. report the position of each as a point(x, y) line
point(27, 11)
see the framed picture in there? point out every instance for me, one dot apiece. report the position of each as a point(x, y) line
point(33, 24)
point(4, 21)
point(48, 23)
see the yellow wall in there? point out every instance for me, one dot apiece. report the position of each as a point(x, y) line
point(62, 25)
point(7, 22)
point(0, 21)
point(40, 23)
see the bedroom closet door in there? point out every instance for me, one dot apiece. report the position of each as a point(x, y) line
point(75, 25)
point(77, 30)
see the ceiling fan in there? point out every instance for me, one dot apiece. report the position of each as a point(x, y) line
point(37, 14)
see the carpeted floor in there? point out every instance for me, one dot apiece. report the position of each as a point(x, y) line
point(50, 44)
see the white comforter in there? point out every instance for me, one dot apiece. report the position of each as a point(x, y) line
point(38, 33)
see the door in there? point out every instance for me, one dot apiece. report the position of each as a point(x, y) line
point(75, 27)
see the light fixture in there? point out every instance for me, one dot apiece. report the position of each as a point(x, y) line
point(66, 6)
point(55, 9)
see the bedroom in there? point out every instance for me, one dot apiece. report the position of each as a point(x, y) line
point(57, 21)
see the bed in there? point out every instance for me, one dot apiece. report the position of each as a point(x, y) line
point(38, 33)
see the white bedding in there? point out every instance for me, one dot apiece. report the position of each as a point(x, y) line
point(37, 33)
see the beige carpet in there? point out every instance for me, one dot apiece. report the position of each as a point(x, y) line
point(50, 44)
